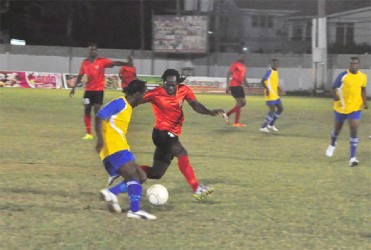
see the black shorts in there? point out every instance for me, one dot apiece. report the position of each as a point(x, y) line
point(163, 140)
point(237, 91)
point(93, 97)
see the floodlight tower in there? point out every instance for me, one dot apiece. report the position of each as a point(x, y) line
point(319, 48)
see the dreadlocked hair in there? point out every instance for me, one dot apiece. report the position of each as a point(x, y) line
point(173, 72)
point(135, 86)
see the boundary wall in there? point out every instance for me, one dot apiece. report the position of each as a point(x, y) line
point(295, 69)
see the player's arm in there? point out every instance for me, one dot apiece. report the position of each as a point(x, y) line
point(364, 98)
point(200, 108)
point(78, 80)
point(245, 82)
point(335, 85)
point(105, 113)
point(263, 81)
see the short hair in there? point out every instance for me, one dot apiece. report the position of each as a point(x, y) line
point(135, 86)
point(355, 58)
point(172, 72)
point(274, 60)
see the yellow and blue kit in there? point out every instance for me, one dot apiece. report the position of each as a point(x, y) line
point(349, 90)
point(116, 117)
point(271, 80)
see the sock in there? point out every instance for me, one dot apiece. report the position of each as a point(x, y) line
point(119, 188)
point(275, 117)
point(268, 119)
point(353, 146)
point(334, 137)
point(238, 113)
point(87, 121)
point(135, 194)
point(187, 171)
point(234, 109)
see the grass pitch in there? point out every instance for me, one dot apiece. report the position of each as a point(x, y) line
point(273, 191)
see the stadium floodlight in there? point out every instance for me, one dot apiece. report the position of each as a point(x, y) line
point(210, 32)
point(245, 49)
point(17, 42)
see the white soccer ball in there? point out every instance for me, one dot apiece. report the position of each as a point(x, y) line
point(157, 194)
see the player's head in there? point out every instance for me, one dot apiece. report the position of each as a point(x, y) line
point(135, 91)
point(274, 63)
point(354, 64)
point(242, 57)
point(171, 78)
point(93, 49)
point(130, 59)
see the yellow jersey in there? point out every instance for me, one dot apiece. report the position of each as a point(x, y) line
point(349, 90)
point(116, 117)
point(271, 80)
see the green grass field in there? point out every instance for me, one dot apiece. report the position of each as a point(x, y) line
point(273, 191)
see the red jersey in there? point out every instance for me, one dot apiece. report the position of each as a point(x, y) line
point(95, 73)
point(128, 73)
point(238, 70)
point(168, 109)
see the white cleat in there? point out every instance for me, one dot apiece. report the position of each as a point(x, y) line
point(226, 118)
point(353, 162)
point(273, 128)
point(111, 199)
point(330, 151)
point(141, 214)
point(264, 130)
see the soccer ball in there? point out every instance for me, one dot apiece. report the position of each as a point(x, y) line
point(157, 194)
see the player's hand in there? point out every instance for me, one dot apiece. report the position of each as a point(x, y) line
point(267, 92)
point(227, 90)
point(99, 146)
point(365, 106)
point(72, 92)
point(215, 112)
point(336, 98)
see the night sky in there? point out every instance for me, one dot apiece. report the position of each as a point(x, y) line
point(115, 23)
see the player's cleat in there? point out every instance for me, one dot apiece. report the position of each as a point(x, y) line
point(141, 214)
point(88, 137)
point(111, 179)
point(265, 130)
point(226, 118)
point(330, 151)
point(238, 124)
point(353, 162)
point(273, 128)
point(202, 192)
point(112, 203)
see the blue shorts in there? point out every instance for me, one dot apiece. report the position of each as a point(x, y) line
point(339, 117)
point(115, 161)
point(274, 103)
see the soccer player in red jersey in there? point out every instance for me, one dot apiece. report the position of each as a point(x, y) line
point(238, 73)
point(167, 102)
point(93, 67)
point(127, 73)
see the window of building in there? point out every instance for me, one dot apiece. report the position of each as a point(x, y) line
point(262, 21)
point(255, 21)
point(344, 33)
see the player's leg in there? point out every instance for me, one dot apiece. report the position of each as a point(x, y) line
point(268, 118)
point(134, 176)
point(200, 191)
point(87, 115)
point(354, 122)
point(276, 115)
point(338, 125)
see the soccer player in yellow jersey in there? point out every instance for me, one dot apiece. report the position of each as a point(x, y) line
point(111, 127)
point(349, 91)
point(270, 82)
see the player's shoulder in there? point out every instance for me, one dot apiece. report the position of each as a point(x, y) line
point(183, 87)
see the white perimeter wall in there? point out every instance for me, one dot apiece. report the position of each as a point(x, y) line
point(295, 69)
